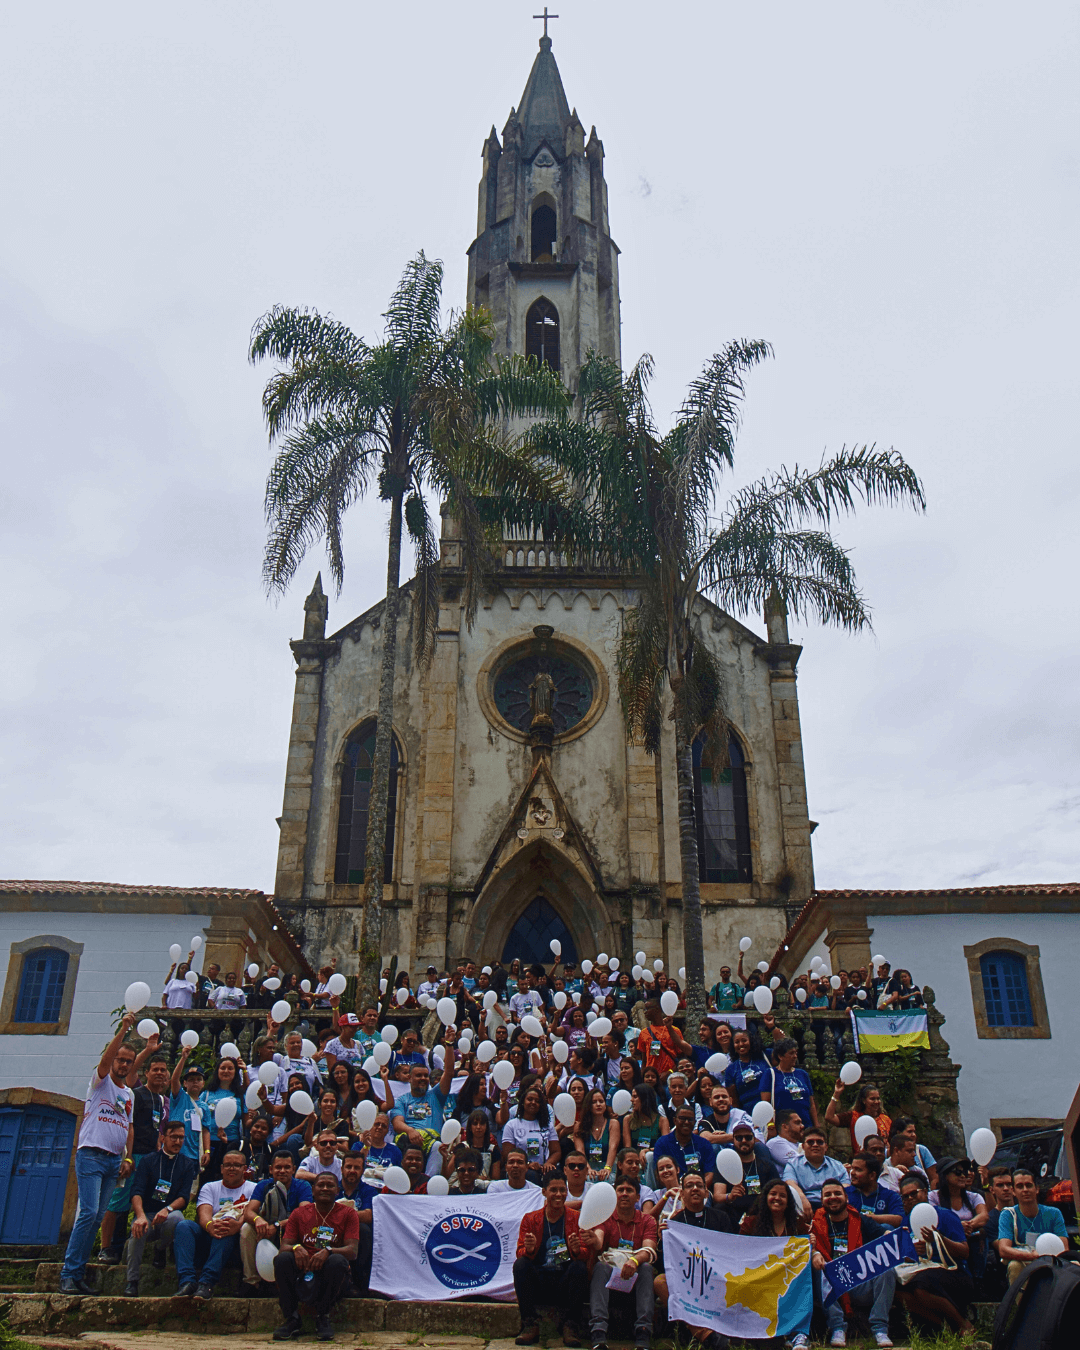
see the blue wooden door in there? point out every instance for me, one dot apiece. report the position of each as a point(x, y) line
point(35, 1154)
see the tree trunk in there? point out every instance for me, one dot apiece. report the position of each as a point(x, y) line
point(693, 938)
point(375, 853)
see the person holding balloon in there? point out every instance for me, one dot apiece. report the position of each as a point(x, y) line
point(417, 1116)
point(271, 1203)
point(748, 1077)
point(186, 1088)
point(661, 1042)
point(224, 1103)
point(179, 991)
point(867, 1103)
point(942, 1292)
point(1023, 1228)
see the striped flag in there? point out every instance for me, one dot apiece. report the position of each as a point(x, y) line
point(879, 1032)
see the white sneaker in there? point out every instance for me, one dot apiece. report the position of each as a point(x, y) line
point(839, 1338)
point(881, 1338)
point(799, 1342)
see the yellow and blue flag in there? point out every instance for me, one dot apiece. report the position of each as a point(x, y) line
point(878, 1033)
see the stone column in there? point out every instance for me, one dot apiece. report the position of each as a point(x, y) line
point(310, 654)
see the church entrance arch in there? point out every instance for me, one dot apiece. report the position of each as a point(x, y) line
point(531, 937)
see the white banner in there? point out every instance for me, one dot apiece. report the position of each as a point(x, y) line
point(429, 1248)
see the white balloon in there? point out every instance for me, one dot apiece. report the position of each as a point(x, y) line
point(763, 998)
point(576, 996)
point(490, 999)
point(815, 963)
point(861, 995)
point(800, 995)
point(229, 1051)
point(364, 1114)
point(877, 961)
point(923, 1218)
point(850, 1073)
point(396, 1179)
point(682, 972)
point(381, 1053)
point(503, 1074)
point(748, 999)
point(438, 1185)
point(835, 981)
point(336, 983)
point(268, 1073)
point(463, 1044)
point(865, 1126)
point(556, 947)
point(136, 996)
point(371, 1066)
point(669, 1002)
point(389, 1033)
point(265, 1251)
point(717, 1063)
point(622, 1103)
point(560, 1000)
point(774, 983)
point(586, 967)
point(565, 1109)
point(174, 952)
point(600, 1027)
point(450, 1131)
point(439, 1056)
point(601, 960)
point(744, 946)
point(281, 1011)
point(598, 1205)
point(447, 1010)
point(224, 1111)
point(1049, 1244)
point(301, 1103)
point(982, 1146)
point(252, 1100)
point(763, 966)
point(147, 1028)
point(191, 1040)
point(272, 983)
point(486, 970)
point(647, 976)
point(561, 1051)
point(658, 965)
point(485, 1051)
point(305, 986)
point(401, 997)
point(729, 1165)
point(640, 958)
point(308, 1048)
point(382, 986)
point(613, 964)
point(531, 1025)
point(635, 973)
point(253, 970)
point(196, 943)
point(191, 978)
point(761, 1115)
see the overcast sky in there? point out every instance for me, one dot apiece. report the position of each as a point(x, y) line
point(887, 192)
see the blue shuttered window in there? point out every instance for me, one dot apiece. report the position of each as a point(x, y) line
point(1005, 989)
point(41, 988)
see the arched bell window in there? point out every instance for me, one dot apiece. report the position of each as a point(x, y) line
point(356, 772)
point(542, 333)
point(530, 938)
point(543, 234)
point(723, 815)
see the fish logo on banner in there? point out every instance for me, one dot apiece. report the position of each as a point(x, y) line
point(464, 1250)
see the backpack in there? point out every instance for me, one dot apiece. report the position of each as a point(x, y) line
point(1039, 1308)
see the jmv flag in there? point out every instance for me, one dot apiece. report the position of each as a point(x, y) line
point(739, 1286)
point(879, 1032)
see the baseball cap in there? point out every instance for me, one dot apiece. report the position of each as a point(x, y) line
point(433, 968)
point(348, 1020)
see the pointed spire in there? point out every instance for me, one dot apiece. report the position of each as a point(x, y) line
point(316, 609)
point(545, 113)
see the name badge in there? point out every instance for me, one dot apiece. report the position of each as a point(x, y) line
point(162, 1189)
point(557, 1251)
point(324, 1233)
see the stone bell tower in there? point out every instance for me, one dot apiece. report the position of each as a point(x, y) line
point(543, 261)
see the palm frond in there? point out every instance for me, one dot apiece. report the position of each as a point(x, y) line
point(641, 665)
point(427, 585)
point(413, 314)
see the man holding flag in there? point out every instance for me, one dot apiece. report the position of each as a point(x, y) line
point(838, 1230)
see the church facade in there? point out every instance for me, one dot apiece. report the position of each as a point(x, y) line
point(504, 833)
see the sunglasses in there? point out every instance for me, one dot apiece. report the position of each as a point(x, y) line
point(575, 1167)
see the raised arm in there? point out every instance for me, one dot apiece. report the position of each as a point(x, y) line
point(132, 1080)
point(109, 1053)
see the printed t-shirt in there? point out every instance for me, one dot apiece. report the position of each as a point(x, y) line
point(226, 997)
point(880, 1201)
point(314, 1230)
point(783, 1151)
point(728, 996)
point(315, 1165)
point(366, 1041)
point(209, 1100)
point(225, 1199)
point(179, 994)
point(698, 1156)
point(746, 1082)
point(847, 1119)
point(150, 1112)
point(196, 1118)
point(710, 1125)
point(421, 1113)
point(554, 1253)
point(350, 1054)
point(106, 1116)
point(794, 1092)
point(533, 1137)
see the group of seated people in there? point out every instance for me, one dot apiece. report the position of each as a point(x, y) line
point(304, 1179)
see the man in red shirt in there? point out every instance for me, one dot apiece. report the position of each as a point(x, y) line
point(319, 1242)
point(627, 1244)
point(661, 1042)
point(552, 1264)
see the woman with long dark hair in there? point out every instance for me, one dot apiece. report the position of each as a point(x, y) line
point(629, 1078)
point(598, 1136)
point(748, 1077)
point(867, 1103)
point(473, 1097)
point(645, 1122)
point(290, 1126)
point(775, 1213)
point(531, 1129)
point(626, 993)
point(227, 1081)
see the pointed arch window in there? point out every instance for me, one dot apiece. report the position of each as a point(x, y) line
point(542, 332)
point(530, 938)
point(723, 816)
point(544, 232)
point(354, 805)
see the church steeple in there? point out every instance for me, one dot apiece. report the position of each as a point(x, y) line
point(543, 260)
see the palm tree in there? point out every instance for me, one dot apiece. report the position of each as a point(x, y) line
point(652, 496)
point(423, 411)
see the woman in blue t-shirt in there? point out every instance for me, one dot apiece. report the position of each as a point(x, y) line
point(748, 1077)
point(228, 1080)
point(792, 1089)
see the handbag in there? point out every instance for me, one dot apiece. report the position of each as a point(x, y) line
point(907, 1270)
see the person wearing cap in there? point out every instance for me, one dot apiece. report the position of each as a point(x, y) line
point(758, 1168)
point(186, 1087)
point(572, 981)
point(342, 1046)
point(429, 987)
point(367, 1037)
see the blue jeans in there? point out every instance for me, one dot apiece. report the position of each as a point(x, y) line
point(877, 1293)
point(95, 1172)
point(193, 1244)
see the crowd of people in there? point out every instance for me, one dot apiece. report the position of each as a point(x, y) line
point(555, 1079)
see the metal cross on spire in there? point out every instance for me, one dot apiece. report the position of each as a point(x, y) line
point(545, 16)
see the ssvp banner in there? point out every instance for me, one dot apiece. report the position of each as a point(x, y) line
point(429, 1248)
point(739, 1286)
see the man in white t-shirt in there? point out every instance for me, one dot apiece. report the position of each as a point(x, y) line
point(784, 1146)
point(429, 988)
point(631, 1162)
point(211, 1240)
point(324, 1157)
point(516, 1163)
point(103, 1154)
point(228, 996)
